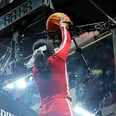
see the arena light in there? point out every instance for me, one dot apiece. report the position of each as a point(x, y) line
point(30, 78)
point(10, 86)
point(80, 111)
point(21, 83)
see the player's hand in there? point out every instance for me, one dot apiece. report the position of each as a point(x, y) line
point(62, 22)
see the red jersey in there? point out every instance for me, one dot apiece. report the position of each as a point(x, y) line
point(57, 85)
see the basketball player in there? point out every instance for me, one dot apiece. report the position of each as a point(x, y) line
point(50, 73)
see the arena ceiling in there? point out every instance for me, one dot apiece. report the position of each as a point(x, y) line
point(84, 11)
point(80, 11)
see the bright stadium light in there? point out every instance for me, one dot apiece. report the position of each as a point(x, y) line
point(10, 86)
point(80, 111)
point(21, 83)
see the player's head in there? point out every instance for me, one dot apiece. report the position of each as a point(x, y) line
point(55, 38)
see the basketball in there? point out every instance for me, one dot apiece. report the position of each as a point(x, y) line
point(54, 19)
